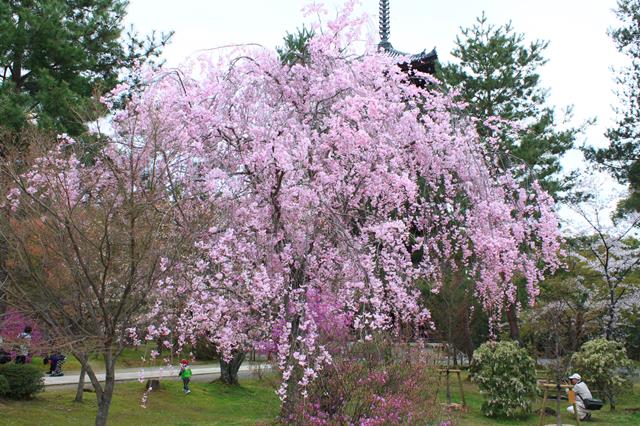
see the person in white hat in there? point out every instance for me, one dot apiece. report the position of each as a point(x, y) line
point(582, 392)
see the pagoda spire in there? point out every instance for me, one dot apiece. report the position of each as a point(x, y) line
point(385, 23)
point(423, 61)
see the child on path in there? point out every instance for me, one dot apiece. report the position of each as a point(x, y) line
point(185, 374)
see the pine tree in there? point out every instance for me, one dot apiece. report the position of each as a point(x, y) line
point(56, 54)
point(296, 46)
point(497, 75)
point(622, 157)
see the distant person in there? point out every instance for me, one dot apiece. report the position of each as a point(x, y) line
point(185, 374)
point(55, 362)
point(24, 345)
point(582, 392)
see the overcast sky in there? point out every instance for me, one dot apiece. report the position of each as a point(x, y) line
point(580, 53)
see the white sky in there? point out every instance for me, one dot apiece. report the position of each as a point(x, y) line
point(580, 53)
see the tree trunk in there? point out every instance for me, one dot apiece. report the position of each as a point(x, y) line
point(612, 400)
point(4, 276)
point(578, 331)
point(611, 318)
point(80, 390)
point(229, 370)
point(84, 361)
point(292, 392)
point(466, 327)
point(104, 403)
point(514, 328)
point(558, 418)
point(293, 395)
point(104, 397)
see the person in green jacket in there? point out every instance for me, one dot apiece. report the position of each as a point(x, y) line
point(185, 373)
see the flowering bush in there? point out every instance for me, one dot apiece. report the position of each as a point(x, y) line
point(371, 383)
point(12, 323)
point(506, 374)
point(600, 362)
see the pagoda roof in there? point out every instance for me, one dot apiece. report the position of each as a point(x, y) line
point(422, 62)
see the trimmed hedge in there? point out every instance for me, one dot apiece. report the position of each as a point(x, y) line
point(24, 380)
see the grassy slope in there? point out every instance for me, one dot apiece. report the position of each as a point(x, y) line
point(208, 404)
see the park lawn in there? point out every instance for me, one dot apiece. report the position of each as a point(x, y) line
point(253, 402)
point(473, 416)
point(208, 404)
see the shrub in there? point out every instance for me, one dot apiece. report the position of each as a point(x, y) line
point(506, 374)
point(24, 380)
point(600, 363)
point(4, 386)
point(371, 383)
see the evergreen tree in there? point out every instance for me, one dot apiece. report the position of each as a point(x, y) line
point(296, 47)
point(497, 75)
point(56, 54)
point(622, 157)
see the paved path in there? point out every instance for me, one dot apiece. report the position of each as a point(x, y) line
point(131, 374)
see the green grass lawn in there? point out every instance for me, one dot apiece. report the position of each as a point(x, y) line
point(208, 404)
point(473, 416)
point(252, 403)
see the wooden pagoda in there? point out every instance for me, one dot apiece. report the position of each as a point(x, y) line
point(424, 61)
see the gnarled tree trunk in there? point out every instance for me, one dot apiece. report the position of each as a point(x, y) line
point(229, 370)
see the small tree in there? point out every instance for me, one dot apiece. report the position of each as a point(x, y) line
point(89, 242)
point(600, 362)
point(612, 253)
point(507, 375)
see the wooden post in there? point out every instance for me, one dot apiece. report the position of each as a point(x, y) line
point(447, 372)
point(448, 388)
point(464, 402)
point(544, 403)
point(546, 386)
point(572, 400)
